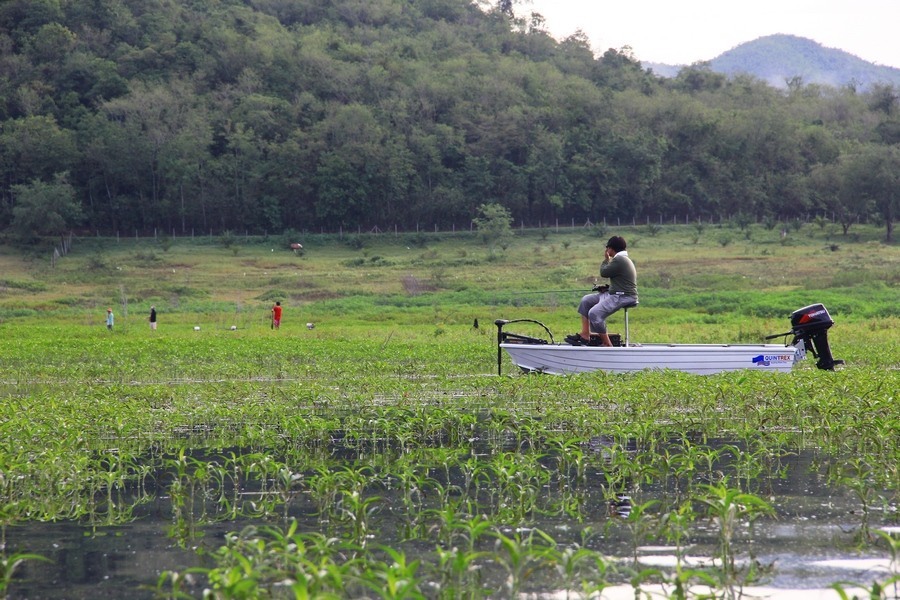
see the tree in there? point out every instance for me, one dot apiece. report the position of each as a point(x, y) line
point(32, 148)
point(494, 224)
point(884, 98)
point(152, 144)
point(45, 209)
point(620, 70)
point(51, 44)
point(699, 77)
point(833, 193)
point(875, 175)
point(350, 166)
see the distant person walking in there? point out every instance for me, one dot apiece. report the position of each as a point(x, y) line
point(110, 319)
point(276, 315)
point(153, 318)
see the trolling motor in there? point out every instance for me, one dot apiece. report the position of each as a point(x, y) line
point(811, 324)
point(505, 337)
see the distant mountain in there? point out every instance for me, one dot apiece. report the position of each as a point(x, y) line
point(779, 58)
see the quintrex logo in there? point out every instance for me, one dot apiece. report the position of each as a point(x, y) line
point(764, 360)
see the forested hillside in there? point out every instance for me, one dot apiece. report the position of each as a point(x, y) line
point(266, 115)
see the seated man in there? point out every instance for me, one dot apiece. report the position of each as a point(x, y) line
point(621, 293)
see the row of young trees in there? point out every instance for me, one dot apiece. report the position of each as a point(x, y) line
point(265, 115)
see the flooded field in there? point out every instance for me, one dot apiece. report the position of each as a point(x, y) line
point(239, 467)
point(525, 509)
point(371, 448)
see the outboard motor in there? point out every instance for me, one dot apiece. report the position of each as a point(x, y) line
point(811, 325)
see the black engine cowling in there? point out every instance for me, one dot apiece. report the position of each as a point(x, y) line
point(811, 324)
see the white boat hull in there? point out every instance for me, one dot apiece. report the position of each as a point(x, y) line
point(702, 359)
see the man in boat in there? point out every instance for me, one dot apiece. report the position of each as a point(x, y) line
point(597, 306)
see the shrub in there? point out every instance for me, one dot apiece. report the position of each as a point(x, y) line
point(417, 240)
point(600, 230)
point(272, 295)
point(227, 239)
point(28, 286)
point(96, 262)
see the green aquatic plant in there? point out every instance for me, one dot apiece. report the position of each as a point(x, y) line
point(858, 475)
point(571, 564)
point(676, 525)
point(288, 485)
point(892, 541)
point(357, 510)
point(642, 525)
point(258, 560)
point(518, 479)
point(394, 579)
point(521, 556)
point(9, 564)
point(878, 590)
point(458, 574)
point(728, 507)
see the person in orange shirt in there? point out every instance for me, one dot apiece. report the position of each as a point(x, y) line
point(276, 315)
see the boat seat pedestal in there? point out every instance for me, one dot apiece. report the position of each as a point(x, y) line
point(627, 333)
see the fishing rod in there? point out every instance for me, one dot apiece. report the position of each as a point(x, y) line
point(581, 291)
point(597, 288)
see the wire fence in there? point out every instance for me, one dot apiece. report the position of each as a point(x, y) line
point(556, 225)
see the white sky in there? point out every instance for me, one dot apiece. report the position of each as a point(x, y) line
point(687, 31)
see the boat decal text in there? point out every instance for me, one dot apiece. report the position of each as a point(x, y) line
point(764, 360)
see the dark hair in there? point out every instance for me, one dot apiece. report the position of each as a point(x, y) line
point(616, 242)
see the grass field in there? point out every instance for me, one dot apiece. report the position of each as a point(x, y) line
point(708, 284)
point(187, 276)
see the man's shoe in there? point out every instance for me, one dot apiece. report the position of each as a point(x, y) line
point(576, 340)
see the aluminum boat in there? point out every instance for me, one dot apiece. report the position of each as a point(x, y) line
point(809, 332)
